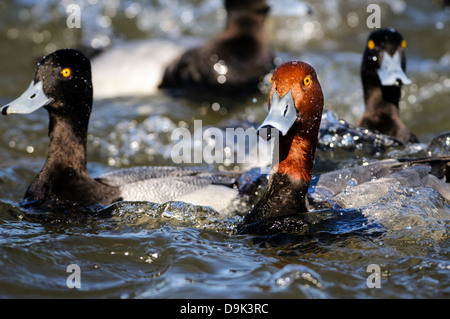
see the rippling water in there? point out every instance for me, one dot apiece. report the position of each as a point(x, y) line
point(176, 250)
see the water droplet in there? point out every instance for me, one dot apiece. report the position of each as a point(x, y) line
point(352, 182)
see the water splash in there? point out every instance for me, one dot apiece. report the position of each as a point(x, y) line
point(147, 215)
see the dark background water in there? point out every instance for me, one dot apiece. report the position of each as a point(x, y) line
point(180, 251)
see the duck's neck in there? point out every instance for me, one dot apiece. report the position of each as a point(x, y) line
point(382, 98)
point(67, 148)
point(287, 189)
point(296, 153)
point(381, 107)
point(66, 160)
point(382, 113)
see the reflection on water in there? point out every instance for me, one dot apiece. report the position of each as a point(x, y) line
point(177, 250)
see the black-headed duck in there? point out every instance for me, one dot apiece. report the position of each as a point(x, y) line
point(234, 62)
point(62, 85)
point(383, 74)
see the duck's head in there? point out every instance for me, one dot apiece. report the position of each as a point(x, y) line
point(384, 61)
point(295, 99)
point(256, 6)
point(295, 111)
point(245, 16)
point(62, 84)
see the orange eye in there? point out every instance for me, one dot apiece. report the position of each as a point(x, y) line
point(403, 44)
point(307, 81)
point(66, 72)
point(370, 44)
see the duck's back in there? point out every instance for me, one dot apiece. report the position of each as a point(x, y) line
point(228, 65)
point(196, 186)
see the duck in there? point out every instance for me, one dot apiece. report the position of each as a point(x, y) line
point(295, 110)
point(383, 74)
point(232, 63)
point(63, 86)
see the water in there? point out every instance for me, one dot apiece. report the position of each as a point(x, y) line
point(176, 250)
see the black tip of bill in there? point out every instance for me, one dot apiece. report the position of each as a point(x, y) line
point(265, 132)
point(4, 109)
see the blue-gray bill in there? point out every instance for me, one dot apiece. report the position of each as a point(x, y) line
point(282, 115)
point(31, 100)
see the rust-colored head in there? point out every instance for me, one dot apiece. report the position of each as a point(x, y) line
point(301, 79)
point(295, 109)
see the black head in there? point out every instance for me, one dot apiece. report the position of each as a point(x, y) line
point(384, 61)
point(62, 84)
point(256, 6)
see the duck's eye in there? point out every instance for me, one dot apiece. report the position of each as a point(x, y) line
point(370, 44)
point(66, 72)
point(307, 81)
point(403, 44)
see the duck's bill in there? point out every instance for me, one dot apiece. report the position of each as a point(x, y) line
point(32, 99)
point(281, 117)
point(391, 72)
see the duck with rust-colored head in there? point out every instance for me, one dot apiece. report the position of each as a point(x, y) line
point(295, 109)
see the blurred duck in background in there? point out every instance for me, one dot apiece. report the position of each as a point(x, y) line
point(232, 63)
point(383, 74)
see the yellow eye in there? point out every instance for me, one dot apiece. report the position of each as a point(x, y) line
point(370, 44)
point(66, 72)
point(307, 81)
point(403, 44)
point(271, 79)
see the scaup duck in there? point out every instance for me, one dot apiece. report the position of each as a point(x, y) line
point(383, 74)
point(295, 109)
point(234, 62)
point(62, 85)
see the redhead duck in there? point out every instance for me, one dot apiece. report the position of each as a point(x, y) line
point(295, 109)
point(234, 62)
point(62, 85)
point(383, 74)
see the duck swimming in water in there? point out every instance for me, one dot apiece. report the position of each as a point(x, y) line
point(295, 109)
point(234, 62)
point(383, 74)
point(62, 85)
